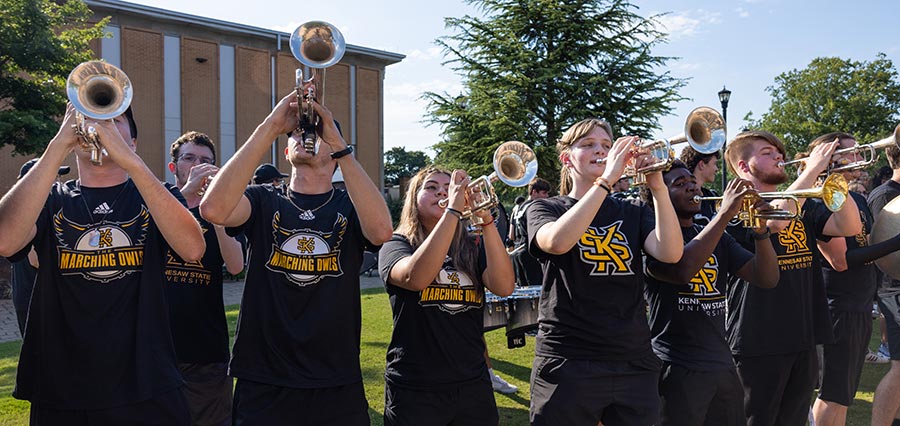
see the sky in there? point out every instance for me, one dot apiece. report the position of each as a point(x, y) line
point(739, 44)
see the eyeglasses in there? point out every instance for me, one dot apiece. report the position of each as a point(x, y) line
point(191, 158)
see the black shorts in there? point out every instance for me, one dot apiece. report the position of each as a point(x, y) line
point(207, 389)
point(697, 398)
point(843, 360)
point(777, 388)
point(260, 404)
point(584, 392)
point(168, 408)
point(471, 404)
point(889, 304)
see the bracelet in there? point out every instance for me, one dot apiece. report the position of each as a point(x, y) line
point(486, 223)
point(763, 236)
point(454, 212)
point(603, 183)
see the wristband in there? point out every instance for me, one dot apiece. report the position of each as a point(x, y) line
point(343, 152)
point(763, 236)
point(603, 183)
point(454, 212)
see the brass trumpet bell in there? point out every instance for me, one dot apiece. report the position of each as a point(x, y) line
point(99, 91)
point(515, 164)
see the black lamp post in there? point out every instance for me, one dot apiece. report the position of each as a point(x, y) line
point(724, 96)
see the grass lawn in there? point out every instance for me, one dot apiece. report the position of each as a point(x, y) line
point(513, 364)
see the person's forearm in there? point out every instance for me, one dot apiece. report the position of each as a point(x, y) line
point(499, 276)
point(232, 252)
point(374, 216)
point(860, 256)
point(666, 242)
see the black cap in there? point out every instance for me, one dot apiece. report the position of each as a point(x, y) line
point(63, 170)
point(267, 173)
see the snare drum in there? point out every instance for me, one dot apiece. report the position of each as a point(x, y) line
point(495, 311)
point(523, 309)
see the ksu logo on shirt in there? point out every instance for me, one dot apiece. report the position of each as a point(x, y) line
point(606, 250)
point(306, 256)
point(702, 293)
point(794, 252)
point(101, 252)
point(452, 291)
point(181, 272)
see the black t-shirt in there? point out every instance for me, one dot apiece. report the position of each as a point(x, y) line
point(300, 317)
point(592, 299)
point(793, 316)
point(196, 308)
point(437, 339)
point(878, 198)
point(707, 207)
point(98, 329)
point(687, 321)
point(854, 289)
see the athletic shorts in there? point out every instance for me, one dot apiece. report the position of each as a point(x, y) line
point(843, 360)
point(777, 388)
point(260, 404)
point(698, 398)
point(168, 408)
point(207, 389)
point(585, 392)
point(889, 304)
point(472, 404)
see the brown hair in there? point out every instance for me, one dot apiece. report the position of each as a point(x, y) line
point(572, 135)
point(740, 148)
point(691, 157)
point(192, 137)
point(462, 250)
point(829, 137)
point(538, 184)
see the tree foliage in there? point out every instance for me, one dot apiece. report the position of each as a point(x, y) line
point(401, 163)
point(41, 41)
point(531, 68)
point(833, 94)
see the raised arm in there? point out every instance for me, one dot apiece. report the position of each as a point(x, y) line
point(231, 250)
point(419, 270)
point(665, 242)
point(698, 250)
point(498, 276)
point(224, 202)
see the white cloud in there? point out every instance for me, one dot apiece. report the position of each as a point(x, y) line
point(743, 13)
point(426, 55)
point(688, 23)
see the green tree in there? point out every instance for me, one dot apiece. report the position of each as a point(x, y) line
point(41, 41)
point(401, 163)
point(833, 94)
point(531, 68)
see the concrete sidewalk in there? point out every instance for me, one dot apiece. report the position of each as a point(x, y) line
point(231, 293)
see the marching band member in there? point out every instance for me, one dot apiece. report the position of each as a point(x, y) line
point(699, 383)
point(296, 352)
point(435, 276)
point(773, 332)
point(592, 322)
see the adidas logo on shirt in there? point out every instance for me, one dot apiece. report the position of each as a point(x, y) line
point(103, 209)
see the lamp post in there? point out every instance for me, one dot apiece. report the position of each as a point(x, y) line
point(724, 96)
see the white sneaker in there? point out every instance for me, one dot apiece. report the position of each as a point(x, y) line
point(876, 358)
point(503, 386)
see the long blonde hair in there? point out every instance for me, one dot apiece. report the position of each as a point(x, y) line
point(462, 250)
point(572, 135)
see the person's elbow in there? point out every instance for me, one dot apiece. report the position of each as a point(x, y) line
point(381, 233)
point(193, 248)
point(838, 264)
point(234, 269)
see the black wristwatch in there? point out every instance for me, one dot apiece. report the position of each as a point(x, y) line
point(341, 153)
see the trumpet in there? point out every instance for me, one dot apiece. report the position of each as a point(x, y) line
point(868, 152)
point(704, 130)
point(206, 181)
point(833, 193)
point(514, 164)
point(99, 91)
point(317, 45)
